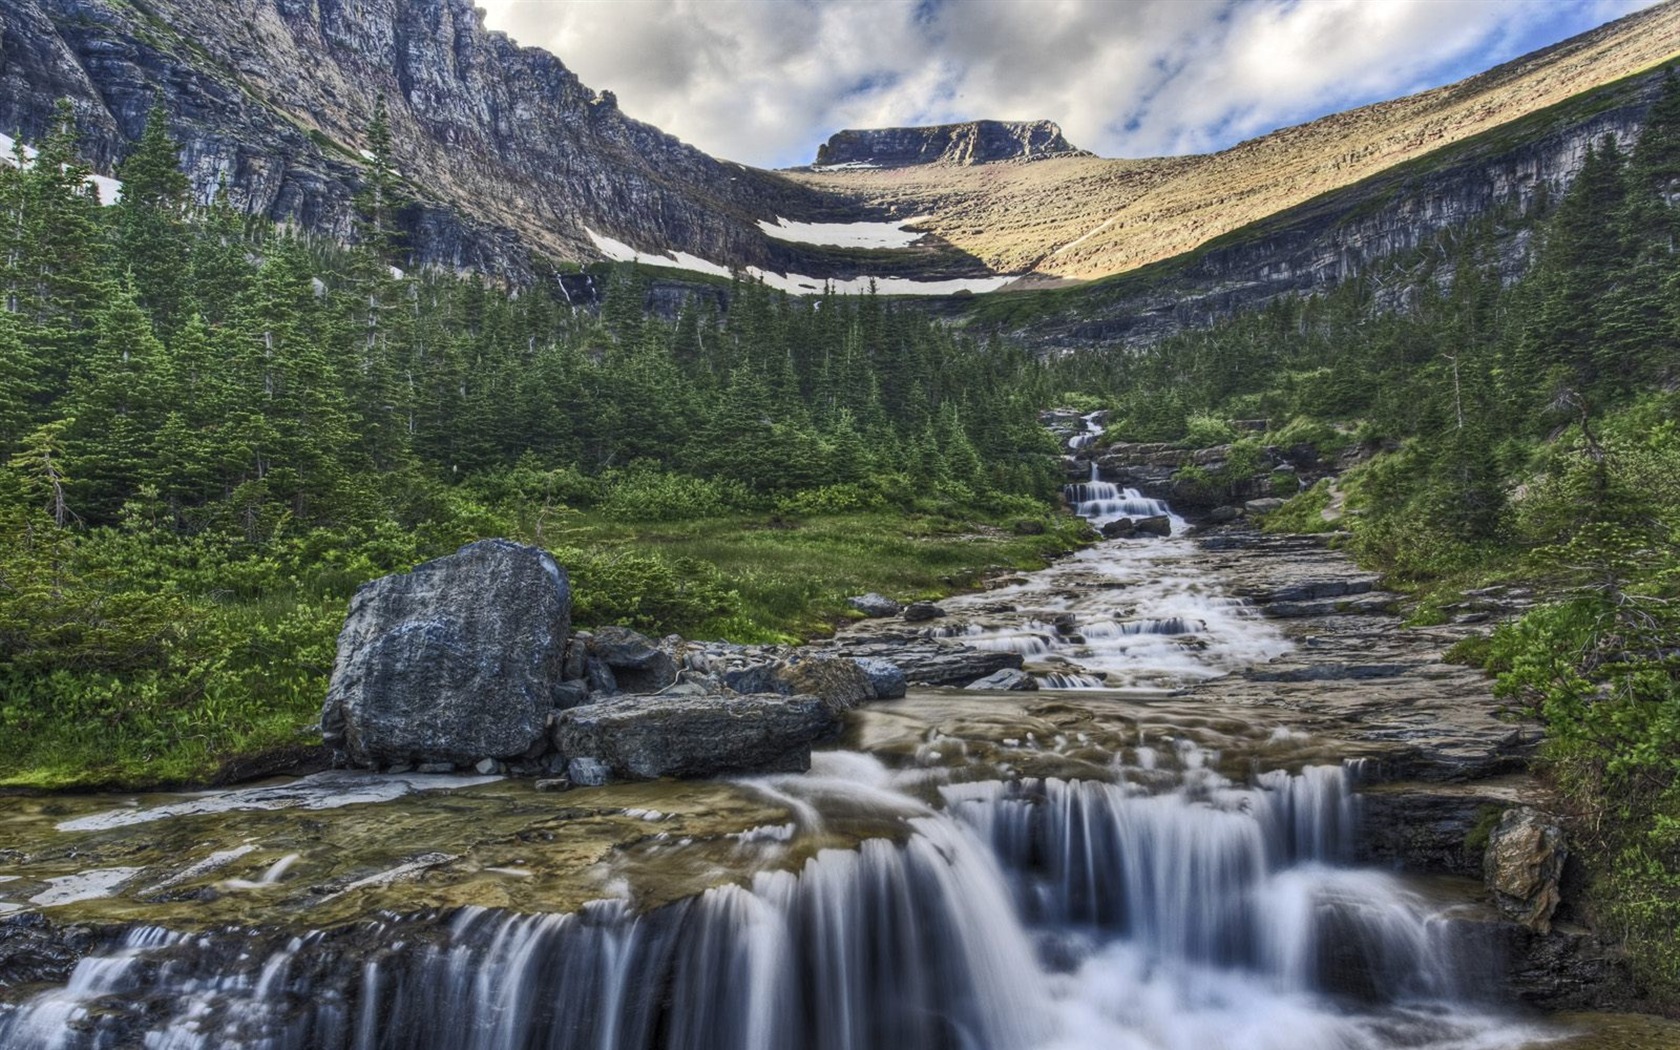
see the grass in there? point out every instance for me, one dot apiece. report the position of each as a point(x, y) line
point(247, 674)
point(791, 578)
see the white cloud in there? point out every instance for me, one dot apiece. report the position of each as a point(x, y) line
point(765, 81)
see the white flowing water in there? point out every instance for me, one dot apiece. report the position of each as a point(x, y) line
point(1062, 915)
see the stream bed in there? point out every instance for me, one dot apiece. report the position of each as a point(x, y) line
point(1167, 846)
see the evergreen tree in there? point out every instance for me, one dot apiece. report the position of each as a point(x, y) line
point(151, 231)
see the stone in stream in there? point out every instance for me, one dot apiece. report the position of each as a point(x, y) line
point(1119, 529)
point(1154, 525)
point(1007, 680)
point(874, 605)
point(454, 661)
point(933, 663)
point(646, 737)
point(885, 676)
point(1523, 864)
point(837, 680)
point(920, 612)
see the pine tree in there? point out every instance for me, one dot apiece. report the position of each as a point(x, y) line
point(151, 232)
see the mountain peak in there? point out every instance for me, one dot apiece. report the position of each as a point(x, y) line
point(974, 142)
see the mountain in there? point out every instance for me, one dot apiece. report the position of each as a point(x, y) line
point(514, 167)
point(1082, 217)
point(976, 142)
point(506, 152)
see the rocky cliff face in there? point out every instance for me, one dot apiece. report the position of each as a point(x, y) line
point(1339, 235)
point(512, 163)
point(504, 149)
point(976, 142)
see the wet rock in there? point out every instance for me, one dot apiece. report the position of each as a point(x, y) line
point(1523, 865)
point(1155, 525)
point(553, 784)
point(587, 771)
point(934, 663)
point(34, 951)
point(453, 661)
point(1118, 529)
point(577, 658)
point(1008, 680)
point(570, 694)
point(920, 612)
point(487, 767)
point(837, 680)
point(646, 737)
point(637, 663)
point(1221, 515)
point(874, 605)
point(886, 676)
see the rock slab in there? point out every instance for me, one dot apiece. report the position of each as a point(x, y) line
point(456, 661)
point(646, 737)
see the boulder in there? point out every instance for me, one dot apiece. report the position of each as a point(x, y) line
point(1118, 529)
point(1262, 507)
point(636, 663)
point(1155, 525)
point(1221, 515)
point(1523, 865)
point(1010, 679)
point(570, 694)
point(837, 680)
point(874, 605)
point(455, 661)
point(920, 612)
point(645, 737)
point(885, 676)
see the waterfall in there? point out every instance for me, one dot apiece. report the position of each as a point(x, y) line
point(1031, 914)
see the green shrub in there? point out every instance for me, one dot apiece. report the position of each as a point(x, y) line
point(1205, 431)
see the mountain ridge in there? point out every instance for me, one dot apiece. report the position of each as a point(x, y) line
point(515, 167)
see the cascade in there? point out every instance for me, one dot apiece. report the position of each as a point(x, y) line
point(1039, 913)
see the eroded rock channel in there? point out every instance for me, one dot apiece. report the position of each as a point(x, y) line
point(1171, 792)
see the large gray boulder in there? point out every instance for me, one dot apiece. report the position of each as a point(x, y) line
point(455, 661)
point(645, 737)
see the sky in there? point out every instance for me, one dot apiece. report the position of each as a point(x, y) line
point(765, 82)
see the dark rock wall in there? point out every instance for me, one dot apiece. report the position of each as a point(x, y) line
point(1335, 237)
point(977, 142)
point(505, 148)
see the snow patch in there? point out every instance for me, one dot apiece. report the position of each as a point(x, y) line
point(845, 234)
point(109, 189)
point(798, 284)
point(850, 165)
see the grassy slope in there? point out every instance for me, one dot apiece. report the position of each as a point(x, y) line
point(784, 581)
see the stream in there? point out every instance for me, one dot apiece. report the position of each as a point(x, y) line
point(1149, 852)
